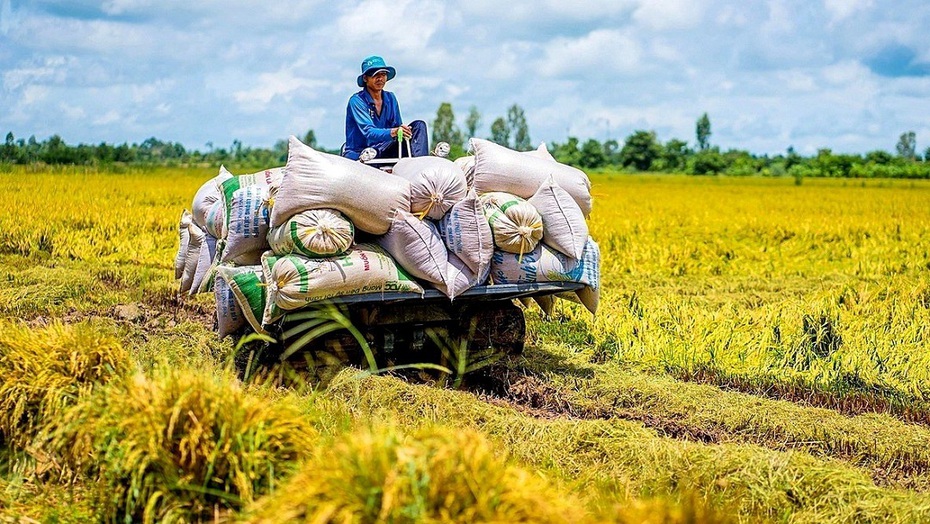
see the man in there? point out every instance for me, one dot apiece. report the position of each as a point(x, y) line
point(373, 117)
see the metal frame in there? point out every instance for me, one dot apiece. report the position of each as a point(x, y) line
point(492, 292)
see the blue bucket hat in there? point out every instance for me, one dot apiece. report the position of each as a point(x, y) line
point(373, 63)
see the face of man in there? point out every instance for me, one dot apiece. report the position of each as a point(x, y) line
point(376, 81)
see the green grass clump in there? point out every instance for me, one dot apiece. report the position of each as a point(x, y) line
point(48, 369)
point(432, 475)
point(182, 445)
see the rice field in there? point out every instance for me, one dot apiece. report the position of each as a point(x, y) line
point(761, 354)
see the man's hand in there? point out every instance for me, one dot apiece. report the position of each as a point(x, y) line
point(407, 132)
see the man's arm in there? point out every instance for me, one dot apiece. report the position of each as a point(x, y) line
point(359, 112)
point(396, 120)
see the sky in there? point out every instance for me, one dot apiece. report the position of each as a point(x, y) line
point(849, 75)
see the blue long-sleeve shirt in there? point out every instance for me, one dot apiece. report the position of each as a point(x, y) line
point(364, 127)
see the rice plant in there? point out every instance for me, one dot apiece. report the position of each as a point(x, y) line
point(431, 475)
point(49, 369)
point(182, 445)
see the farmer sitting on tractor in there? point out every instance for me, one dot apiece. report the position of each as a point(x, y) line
point(373, 119)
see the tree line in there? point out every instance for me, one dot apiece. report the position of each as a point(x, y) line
point(641, 151)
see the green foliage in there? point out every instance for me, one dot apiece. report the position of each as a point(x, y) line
point(472, 122)
point(702, 132)
point(444, 128)
point(707, 162)
point(907, 145)
point(592, 154)
point(640, 150)
point(500, 132)
point(674, 157)
point(516, 122)
point(310, 139)
point(567, 153)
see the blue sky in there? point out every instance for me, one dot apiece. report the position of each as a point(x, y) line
point(850, 75)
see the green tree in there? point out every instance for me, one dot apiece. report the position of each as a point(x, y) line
point(927, 154)
point(612, 152)
point(567, 153)
point(473, 121)
point(879, 157)
point(907, 145)
point(675, 155)
point(702, 130)
point(8, 152)
point(500, 132)
point(516, 121)
point(310, 139)
point(592, 154)
point(444, 127)
point(792, 158)
point(707, 162)
point(640, 150)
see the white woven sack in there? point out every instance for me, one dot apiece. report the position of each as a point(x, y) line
point(192, 257)
point(229, 317)
point(459, 278)
point(228, 187)
point(204, 263)
point(206, 285)
point(544, 264)
point(467, 165)
point(587, 296)
point(215, 222)
point(416, 245)
point(294, 281)
point(247, 286)
point(266, 177)
point(498, 168)
point(436, 184)
point(314, 233)
point(247, 226)
point(315, 180)
point(515, 223)
point(208, 194)
point(184, 236)
point(564, 226)
point(467, 234)
point(540, 152)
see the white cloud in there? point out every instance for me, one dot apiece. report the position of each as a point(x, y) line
point(601, 52)
point(52, 70)
point(846, 73)
point(669, 14)
point(72, 112)
point(840, 10)
point(34, 94)
point(283, 83)
point(6, 17)
point(390, 24)
point(109, 117)
point(771, 73)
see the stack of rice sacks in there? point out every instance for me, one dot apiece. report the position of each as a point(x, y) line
point(274, 241)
